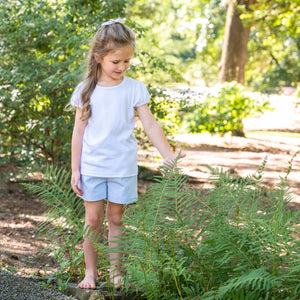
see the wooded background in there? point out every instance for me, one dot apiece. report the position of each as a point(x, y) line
point(44, 44)
point(207, 65)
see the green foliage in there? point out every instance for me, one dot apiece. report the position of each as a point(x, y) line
point(64, 224)
point(273, 46)
point(183, 41)
point(164, 52)
point(167, 106)
point(64, 228)
point(42, 56)
point(234, 241)
point(230, 242)
point(42, 50)
point(224, 110)
point(181, 38)
point(208, 35)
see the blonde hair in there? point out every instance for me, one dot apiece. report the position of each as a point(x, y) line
point(108, 38)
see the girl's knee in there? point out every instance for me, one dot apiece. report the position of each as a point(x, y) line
point(114, 220)
point(114, 214)
point(94, 220)
point(94, 214)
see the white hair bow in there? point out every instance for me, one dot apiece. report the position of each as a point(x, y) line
point(113, 22)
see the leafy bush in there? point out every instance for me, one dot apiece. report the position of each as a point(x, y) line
point(224, 110)
point(168, 106)
point(234, 241)
point(42, 52)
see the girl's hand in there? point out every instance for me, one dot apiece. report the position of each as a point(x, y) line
point(171, 158)
point(75, 181)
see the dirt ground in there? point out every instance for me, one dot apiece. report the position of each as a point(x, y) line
point(21, 248)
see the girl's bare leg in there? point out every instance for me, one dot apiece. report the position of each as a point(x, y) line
point(114, 215)
point(94, 217)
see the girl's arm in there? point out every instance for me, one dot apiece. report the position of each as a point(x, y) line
point(155, 133)
point(77, 137)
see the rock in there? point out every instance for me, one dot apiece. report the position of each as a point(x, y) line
point(100, 293)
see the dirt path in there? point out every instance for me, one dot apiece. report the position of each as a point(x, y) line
point(244, 159)
point(239, 155)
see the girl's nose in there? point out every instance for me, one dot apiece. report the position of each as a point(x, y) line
point(123, 68)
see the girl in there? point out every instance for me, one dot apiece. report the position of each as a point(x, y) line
point(104, 149)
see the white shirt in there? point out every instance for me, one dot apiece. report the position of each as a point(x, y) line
point(109, 146)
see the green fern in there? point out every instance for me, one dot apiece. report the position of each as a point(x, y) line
point(159, 220)
point(233, 241)
point(253, 285)
point(64, 219)
point(188, 244)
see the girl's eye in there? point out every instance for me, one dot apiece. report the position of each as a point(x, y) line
point(115, 62)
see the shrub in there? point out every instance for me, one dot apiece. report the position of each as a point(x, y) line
point(224, 110)
point(42, 52)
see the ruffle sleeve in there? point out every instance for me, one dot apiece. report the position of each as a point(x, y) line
point(76, 99)
point(142, 95)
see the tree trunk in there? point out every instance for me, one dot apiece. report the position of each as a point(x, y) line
point(234, 52)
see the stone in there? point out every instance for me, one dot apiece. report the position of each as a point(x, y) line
point(100, 293)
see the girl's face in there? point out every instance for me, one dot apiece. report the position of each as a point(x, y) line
point(114, 65)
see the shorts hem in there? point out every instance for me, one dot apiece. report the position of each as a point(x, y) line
point(124, 203)
point(105, 199)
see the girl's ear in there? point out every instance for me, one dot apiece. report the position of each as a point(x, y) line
point(97, 58)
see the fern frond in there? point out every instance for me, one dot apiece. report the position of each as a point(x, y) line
point(255, 284)
point(64, 225)
point(208, 240)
